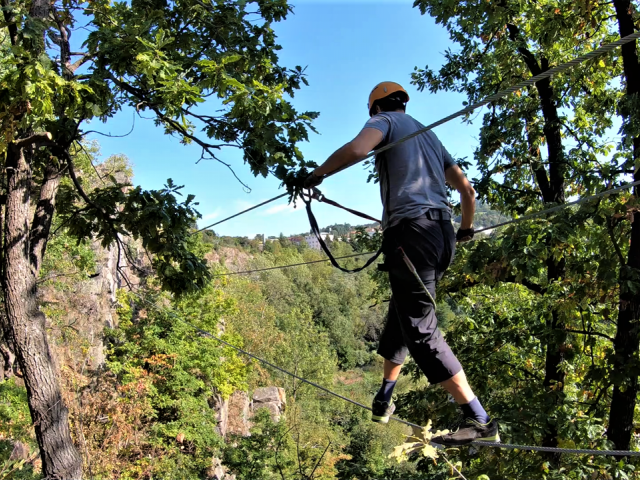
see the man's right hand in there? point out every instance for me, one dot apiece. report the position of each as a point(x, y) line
point(312, 180)
point(464, 235)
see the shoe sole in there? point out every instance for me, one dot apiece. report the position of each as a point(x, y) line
point(378, 419)
point(493, 439)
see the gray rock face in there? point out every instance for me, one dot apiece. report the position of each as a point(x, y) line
point(233, 414)
point(239, 421)
point(273, 399)
point(218, 471)
point(221, 407)
point(20, 451)
point(268, 394)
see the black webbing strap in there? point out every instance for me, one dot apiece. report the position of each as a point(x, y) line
point(317, 195)
point(316, 231)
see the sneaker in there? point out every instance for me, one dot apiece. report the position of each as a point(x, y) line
point(469, 430)
point(382, 411)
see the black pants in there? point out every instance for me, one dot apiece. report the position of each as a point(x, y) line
point(412, 324)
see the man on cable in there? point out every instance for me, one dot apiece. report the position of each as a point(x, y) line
point(417, 226)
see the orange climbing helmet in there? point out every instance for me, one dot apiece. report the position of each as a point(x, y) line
point(384, 89)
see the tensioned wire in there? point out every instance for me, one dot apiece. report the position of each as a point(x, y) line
point(502, 224)
point(491, 98)
point(532, 448)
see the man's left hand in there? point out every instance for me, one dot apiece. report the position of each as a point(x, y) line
point(464, 235)
point(312, 180)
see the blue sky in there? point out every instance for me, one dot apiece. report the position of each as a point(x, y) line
point(348, 47)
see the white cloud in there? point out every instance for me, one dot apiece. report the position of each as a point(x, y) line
point(213, 215)
point(285, 207)
point(245, 204)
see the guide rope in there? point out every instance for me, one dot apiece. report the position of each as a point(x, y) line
point(533, 448)
point(561, 206)
point(291, 265)
point(242, 212)
point(483, 229)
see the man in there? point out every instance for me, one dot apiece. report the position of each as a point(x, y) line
point(417, 226)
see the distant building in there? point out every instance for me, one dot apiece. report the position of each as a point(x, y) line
point(297, 240)
point(313, 242)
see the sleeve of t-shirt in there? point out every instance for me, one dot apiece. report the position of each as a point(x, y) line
point(379, 122)
point(448, 160)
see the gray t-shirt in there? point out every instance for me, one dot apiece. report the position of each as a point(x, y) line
point(412, 173)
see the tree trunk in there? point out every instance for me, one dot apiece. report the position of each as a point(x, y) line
point(554, 376)
point(26, 325)
point(552, 189)
point(627, 341)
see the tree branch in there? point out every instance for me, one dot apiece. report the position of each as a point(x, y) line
point(208, 147)
point(41, 224)
point(521, 369)
point(615, 243)
point(41, 138)
point(65, 47)
point(80, 190)
point(534, 287)
point(528, 57)
point(78, 63)
point(10, 21)
point(586, 332)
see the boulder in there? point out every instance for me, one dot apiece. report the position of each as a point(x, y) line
point(269, 394)
point(20, 451)
point(217, 471)
point(272, 398)
point(221, 407)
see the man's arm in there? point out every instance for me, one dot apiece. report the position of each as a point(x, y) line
point(355, 150)
point(457, 179)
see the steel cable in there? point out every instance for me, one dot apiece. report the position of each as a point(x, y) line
point(484, 229)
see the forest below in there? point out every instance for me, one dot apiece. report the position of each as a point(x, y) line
point(126, 332)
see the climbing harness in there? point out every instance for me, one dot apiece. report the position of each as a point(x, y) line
point(315, 229)
point(317, 195)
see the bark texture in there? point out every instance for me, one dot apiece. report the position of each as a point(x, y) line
point(26, 324)
point(627, 340)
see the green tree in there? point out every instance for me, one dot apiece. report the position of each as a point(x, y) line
point(627, 340)
point(182, 373)
point(537, 147)
point(162, 58)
